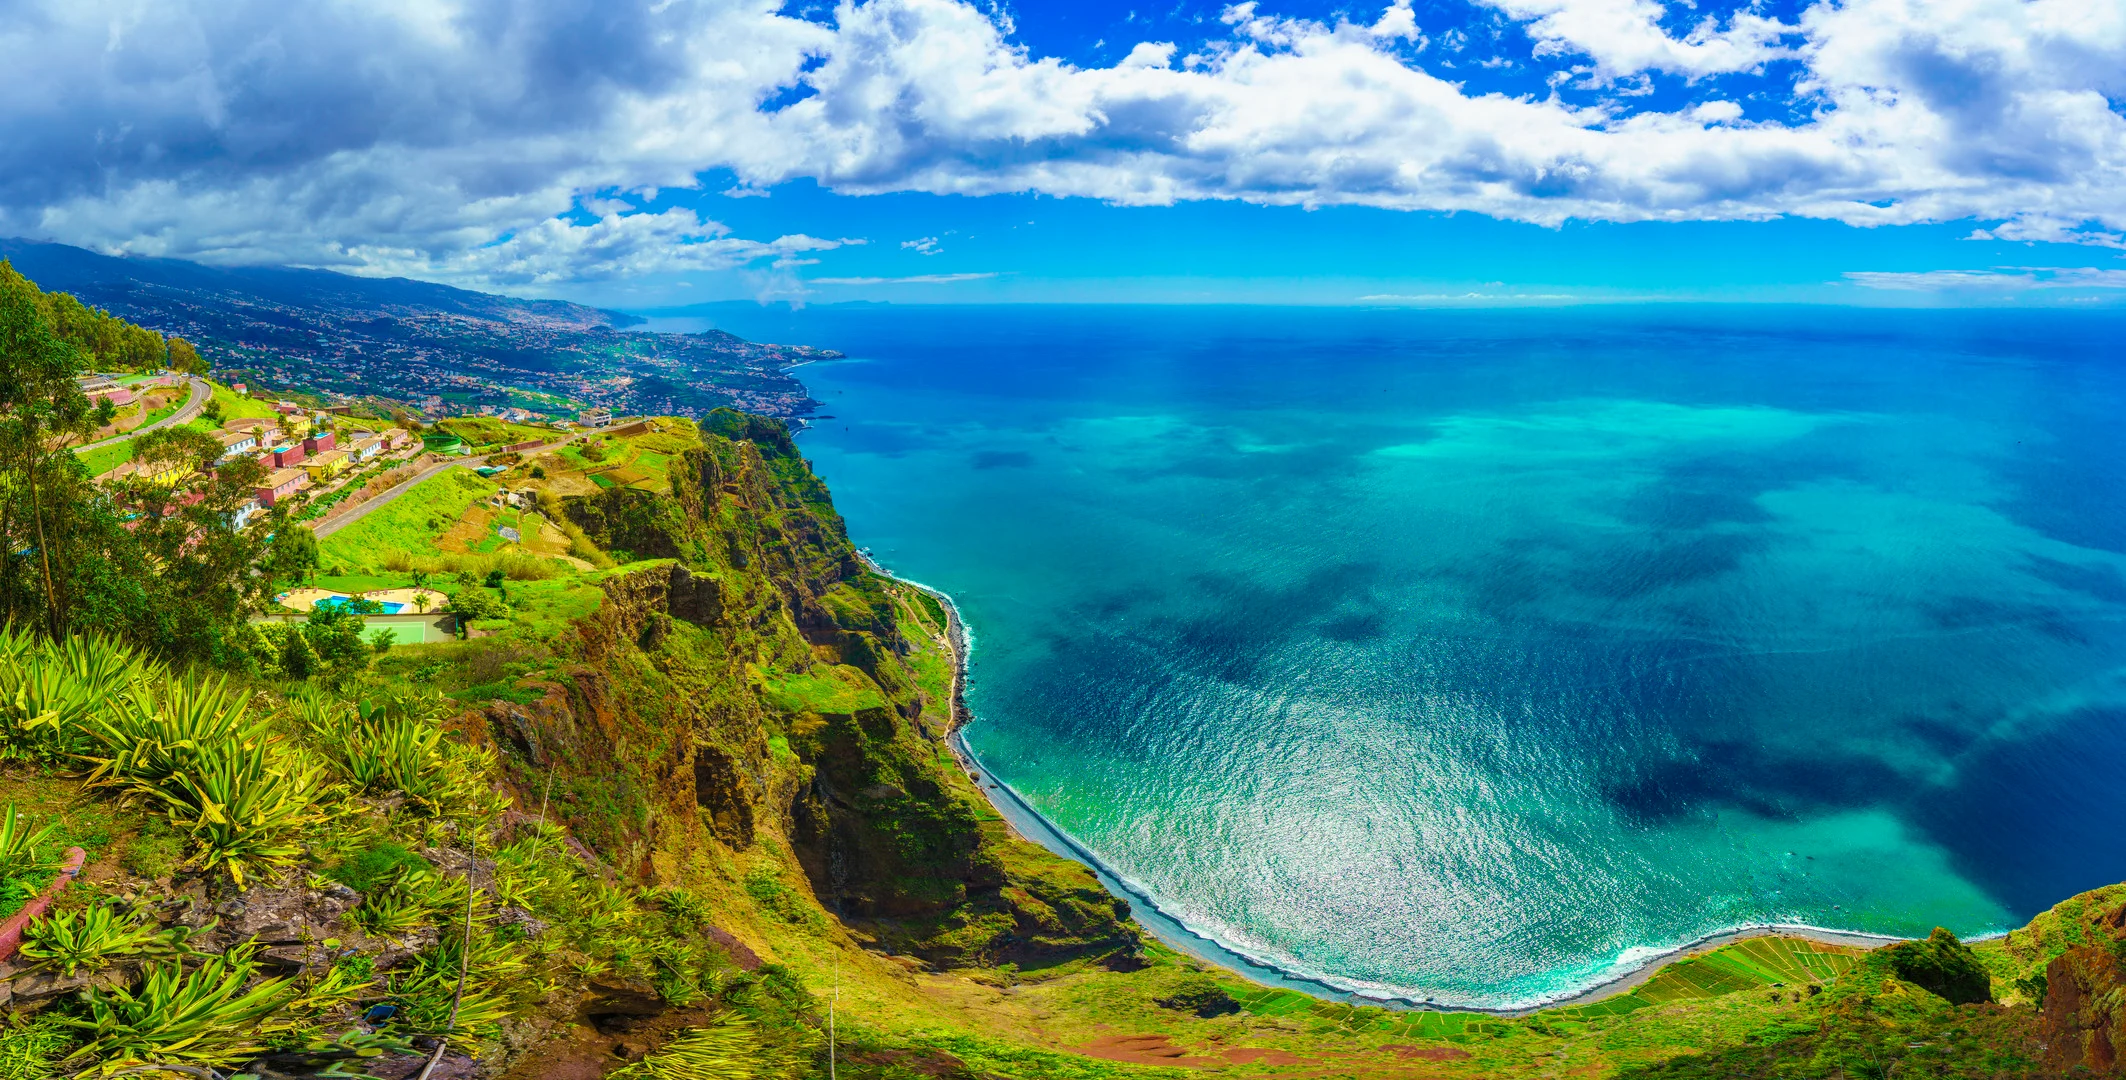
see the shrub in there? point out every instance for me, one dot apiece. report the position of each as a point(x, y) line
point(376, 866)
point(29, 1050)
point(396, 745)
point(47, 690)
point(728, 1051)
point(201, 757)
point(95, 936)
point(1943, 965)
point(201, 1017)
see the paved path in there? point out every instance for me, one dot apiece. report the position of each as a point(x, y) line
point(201, 391)
point(333, 525)
point(349, 517)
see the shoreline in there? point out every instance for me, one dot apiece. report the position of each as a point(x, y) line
point(1030, 825)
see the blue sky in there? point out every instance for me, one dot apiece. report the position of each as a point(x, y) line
point(648, 155)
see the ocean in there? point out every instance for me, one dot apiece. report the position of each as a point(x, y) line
point(1476, 656)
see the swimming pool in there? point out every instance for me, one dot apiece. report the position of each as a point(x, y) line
point(332, 603)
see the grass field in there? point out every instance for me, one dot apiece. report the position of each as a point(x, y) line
point(235, 406)
point(410, 525)
point(105, 458)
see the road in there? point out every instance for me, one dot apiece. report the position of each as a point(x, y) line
point(333, 525)
point(349, 517)
point(201, 391)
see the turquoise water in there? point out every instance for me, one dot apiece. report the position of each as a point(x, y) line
point(1474, 656)
point(386, 607)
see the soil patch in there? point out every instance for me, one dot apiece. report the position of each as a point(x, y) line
point(1428, 1053)
point(1144, 1050)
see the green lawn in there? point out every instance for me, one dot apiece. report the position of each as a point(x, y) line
point(411, 524)
point(235, 406)
point(103, 459)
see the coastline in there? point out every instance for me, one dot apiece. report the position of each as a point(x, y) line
point(1030, 825)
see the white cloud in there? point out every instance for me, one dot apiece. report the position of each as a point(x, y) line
point(918, 279)
point(469, 139)
point(1624, 37)
point(928, 245)
point(1998, 279)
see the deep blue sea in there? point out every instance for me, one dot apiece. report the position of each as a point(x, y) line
point(1477, 655)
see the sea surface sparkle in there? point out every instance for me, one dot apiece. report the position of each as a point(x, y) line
point(1473, 656)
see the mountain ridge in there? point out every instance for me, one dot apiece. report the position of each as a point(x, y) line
point(438, 348)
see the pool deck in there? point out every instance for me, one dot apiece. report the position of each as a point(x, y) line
point(304, 599)
point(407, 629)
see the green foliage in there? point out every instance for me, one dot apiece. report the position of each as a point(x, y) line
point(106, 342)
point(24, 851)
point(156, 851)
point(198, 754)
point(95, 936)
point(727, 1051)
point(1942, 965)
point(396, 743)
point(376, 865)
point(766, 888)
point(185, 358)
point(473, 602)
point(29, 1048)
point(205, 1016)
point(1201, 995)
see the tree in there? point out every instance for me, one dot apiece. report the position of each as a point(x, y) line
point(185, 358)
point(477, 603)
point(294, 551)
point(42, 410)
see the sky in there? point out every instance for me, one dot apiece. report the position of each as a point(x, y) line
point(660, 154)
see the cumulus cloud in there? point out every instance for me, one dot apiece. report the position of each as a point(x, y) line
point(513, 141)
point(1625, 37)
point(927, 245)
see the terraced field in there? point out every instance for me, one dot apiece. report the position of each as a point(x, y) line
point(1747, 965)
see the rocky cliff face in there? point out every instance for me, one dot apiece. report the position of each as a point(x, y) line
point(2084, 1016)
point(762, 688)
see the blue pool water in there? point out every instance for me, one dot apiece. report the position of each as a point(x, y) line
point(334, 603)
point(1475, 656)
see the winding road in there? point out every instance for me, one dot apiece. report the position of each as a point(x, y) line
point(201, 391)
point(385, 497)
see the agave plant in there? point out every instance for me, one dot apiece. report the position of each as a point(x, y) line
point(244, 805)
point(150, 739)
point(399, 746)
point(48, 691)
point(96, 936)
point(23, 851)
point(390, 913)
point(728, 1051)
point(202, 1017)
